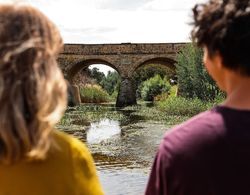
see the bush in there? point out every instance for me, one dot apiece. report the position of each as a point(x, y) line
point(153, 87)
point(93, 94)
point(148, 71)
point(193, 79)
point(171, 93)
point(183, 106)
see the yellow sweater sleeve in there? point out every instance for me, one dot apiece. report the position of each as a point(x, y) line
point(87, 182)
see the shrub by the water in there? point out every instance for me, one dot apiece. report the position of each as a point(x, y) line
point(153, 87)
point(148, 71)
point(183, 106)
point(176, 105)
point(93, 94)
point(171, 93)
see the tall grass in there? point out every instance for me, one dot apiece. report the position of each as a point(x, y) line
point(182, 106)
point(186, 107)
point(93, 94)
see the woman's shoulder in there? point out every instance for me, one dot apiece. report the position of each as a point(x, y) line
point(82, 162)
point(74, 149)
point(65, 141)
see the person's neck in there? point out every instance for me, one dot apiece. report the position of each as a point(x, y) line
point(238, 92)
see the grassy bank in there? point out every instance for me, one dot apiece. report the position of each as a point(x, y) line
point(185, 107)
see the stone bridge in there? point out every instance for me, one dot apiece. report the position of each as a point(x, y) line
point(125, 58)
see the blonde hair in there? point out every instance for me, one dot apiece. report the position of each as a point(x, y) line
point(32, 87)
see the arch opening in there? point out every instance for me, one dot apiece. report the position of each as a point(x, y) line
point(98, 82)
point(82, 65)
point(149, 69)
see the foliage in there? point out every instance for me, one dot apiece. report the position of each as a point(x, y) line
point(93, 94)
point(148, 71)
point(153, 87)
point(172, 93)
point(111, 82)
point(176, 105)
point(182, 106)
point(193, 79)
point(114, 95)
point(96, 74)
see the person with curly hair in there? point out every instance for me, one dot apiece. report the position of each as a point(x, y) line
point(36, 159)
point(210, 153)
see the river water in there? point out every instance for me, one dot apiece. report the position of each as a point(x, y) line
point(122, 142)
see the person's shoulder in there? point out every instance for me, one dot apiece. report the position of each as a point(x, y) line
point(79, 154)
point(66, 141)
point(210, 119)
point(207, 119)
point(200, 129)
point(86, 180)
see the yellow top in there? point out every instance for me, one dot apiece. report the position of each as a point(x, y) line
point(68, 170)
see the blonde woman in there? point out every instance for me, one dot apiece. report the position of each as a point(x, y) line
point(34, 157)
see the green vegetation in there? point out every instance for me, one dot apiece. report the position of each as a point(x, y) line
point(148, 71)
point(153, 87)
point(111, 82)
point(93, 94)
point(96, 75)
point(193, 79)
point(183, 106)
point(196, 91)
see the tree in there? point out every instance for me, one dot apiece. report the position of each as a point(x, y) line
point(193, 79)
point(111, 82)
point(97, 75)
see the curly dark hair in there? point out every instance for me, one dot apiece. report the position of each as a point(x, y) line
point(224, 26)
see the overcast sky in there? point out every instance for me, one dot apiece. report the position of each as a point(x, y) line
point(119, 21)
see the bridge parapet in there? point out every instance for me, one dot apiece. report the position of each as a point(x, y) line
point(125, 48)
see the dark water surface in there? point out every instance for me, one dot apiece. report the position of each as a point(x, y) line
point(122, 143)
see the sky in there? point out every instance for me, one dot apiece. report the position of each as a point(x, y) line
point(119, 21)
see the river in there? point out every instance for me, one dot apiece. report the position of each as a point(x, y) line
point(123, 143)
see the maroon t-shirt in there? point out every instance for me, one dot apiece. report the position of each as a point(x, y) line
point(207, 155)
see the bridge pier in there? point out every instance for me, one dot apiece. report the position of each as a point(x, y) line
point(74, 98)
point(127, 94)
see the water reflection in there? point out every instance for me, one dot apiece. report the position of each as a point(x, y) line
point(102, 130)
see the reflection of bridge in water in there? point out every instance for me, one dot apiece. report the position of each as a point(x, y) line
point(125, 58)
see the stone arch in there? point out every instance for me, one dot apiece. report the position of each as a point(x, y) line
point(85, 63)
point(156, 60)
